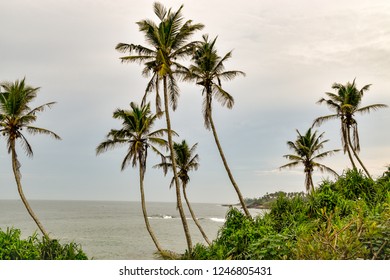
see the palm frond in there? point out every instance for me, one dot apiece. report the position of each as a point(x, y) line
point(367, 109)
point(223, 97)
point(37, 130)
point(320, 120)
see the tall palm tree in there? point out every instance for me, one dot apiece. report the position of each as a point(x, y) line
point(16, 115)
point(137, 134)
point(168, 42)
point(306, 152)
point(346, 103)
point(186, 162)
point(208, 71)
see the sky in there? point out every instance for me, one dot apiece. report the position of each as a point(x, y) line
point(291, 51)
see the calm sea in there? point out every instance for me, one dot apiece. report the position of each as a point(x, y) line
point(113, 230)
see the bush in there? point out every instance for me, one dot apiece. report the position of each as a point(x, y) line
point(345, 219)
point(12, 247)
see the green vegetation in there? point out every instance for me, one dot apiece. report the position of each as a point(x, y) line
point(266, 200)
point(12, 247)
point(345, 219)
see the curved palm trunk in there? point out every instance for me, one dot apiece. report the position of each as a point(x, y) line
point(242, 202)
point(194, 217)
point(145, 214)
point(15, 169)
point(349, 147)
point(356, 155)
point(309, 181)
point(177, 184)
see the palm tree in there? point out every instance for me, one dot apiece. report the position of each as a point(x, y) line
point(136, 133)
point(306, 152)
point(186, 162)
point(16, 115)
point(169, 42)
point(346, 103)
point(207, 71)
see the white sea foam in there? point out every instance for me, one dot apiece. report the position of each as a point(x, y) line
point(218, 220)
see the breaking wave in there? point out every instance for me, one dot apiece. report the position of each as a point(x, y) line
point(169, 217)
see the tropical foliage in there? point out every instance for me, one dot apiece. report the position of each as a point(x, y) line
point(339, 220)
point(307, 149)
point(13, 247)
point(16, 115)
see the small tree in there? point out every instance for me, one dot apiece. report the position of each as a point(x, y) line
point(307, 151)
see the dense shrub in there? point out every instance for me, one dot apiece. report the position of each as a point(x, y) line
point(12, 247)
point(345, 219)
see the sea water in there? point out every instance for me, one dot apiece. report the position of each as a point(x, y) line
point(113, 230)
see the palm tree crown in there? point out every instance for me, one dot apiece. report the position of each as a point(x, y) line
point(185, 159)
point(306, 152)
point(169, 42)
point(16, 114)
point(136, 134)
point(346, 102)
point(208, 71)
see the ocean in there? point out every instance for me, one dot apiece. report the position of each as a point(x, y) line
point(109, 230)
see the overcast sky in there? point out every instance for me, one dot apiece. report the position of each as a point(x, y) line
point(291, 51)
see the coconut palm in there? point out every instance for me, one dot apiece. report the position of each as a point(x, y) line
point(186, 162)
point(208, 71)
point(136, 133)
point(346, 102)
point(16, 115)
point(168, 42)
point(306, 152)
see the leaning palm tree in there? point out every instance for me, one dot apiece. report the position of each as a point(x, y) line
point(168, 42)
point(186, 162)
point(136, 133)
point(16, 115)
point(346, 103)
point(306, 152)
point(207, 71)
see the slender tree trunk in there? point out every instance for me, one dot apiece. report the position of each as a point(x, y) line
point(240, 197)
point(194, 217)
point(16, 171)
point(347, 143)
point(148, 227)
point(356, 156)
point(177, 184)
point(309, 182)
